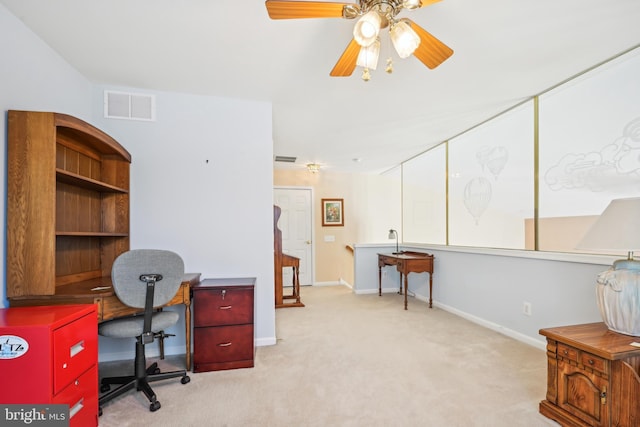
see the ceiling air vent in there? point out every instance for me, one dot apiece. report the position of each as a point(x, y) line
point(285, 159)
point(129, 106)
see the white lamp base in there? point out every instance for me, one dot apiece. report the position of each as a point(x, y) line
point(618, 296)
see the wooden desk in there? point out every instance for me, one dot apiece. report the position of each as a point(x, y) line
point(100, 292)
point(290, 261)
point(407, 262)
point(592, 377)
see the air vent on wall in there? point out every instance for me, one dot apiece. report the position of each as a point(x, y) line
point(286, 159)
point(129, 106)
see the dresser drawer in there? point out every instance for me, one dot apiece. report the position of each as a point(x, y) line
point(594, 362)
point(75, 349)
point(82, 397)
point(567, 352)
point(223, 344)
point(222, 306)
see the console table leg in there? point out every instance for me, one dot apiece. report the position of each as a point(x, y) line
point(406, 288)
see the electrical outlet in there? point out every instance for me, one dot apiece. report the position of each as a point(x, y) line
point(526, 308)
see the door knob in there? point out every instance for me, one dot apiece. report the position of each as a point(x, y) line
point(308, 242)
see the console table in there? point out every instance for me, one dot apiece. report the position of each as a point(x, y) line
point(407, 262)
point(592, 377)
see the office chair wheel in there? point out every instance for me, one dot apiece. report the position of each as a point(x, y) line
point(154, 406)
point(185, 379)
point(105, 388)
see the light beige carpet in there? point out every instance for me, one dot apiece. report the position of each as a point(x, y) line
point(358, 360)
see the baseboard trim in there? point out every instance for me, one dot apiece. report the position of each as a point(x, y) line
point(490, 325)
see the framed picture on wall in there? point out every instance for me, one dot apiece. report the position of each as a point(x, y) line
point(332, 212)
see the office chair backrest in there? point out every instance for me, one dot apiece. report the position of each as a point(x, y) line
point(129, 266)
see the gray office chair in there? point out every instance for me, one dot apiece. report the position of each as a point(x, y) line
point(146, 279)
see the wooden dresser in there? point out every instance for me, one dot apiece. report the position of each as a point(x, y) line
point(592, 377)
point(49, 355)
point(223, 324)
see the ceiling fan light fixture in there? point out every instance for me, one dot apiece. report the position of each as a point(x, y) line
point(367, 28)
point(412, 4)
point(368, 56)
point(404, 39)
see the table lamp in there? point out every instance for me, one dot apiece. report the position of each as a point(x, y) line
point(618, 288)
point(393, 233)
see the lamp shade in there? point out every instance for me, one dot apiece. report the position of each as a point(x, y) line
point(617, 229)
point(404, 39)
point(411, 4)
point(368, 56)
point(367, 28)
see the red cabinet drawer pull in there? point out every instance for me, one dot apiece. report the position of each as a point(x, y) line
point(76, 408)
point(77, 348)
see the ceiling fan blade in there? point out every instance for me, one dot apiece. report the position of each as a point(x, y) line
point(283, 9)
point(431, 51)
point(347, 62)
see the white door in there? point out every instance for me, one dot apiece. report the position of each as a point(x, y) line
point(296, 225)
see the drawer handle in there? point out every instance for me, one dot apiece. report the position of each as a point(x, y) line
point(224, 344)
point(75, 349)
point(76, 408)
point(225, 307)
point(565, 352)
point(591, 362)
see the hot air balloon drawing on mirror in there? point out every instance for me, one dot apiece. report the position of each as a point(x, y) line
point(478, 191)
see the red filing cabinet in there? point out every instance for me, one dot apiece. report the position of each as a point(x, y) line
point(49, 354)
point(223, 324)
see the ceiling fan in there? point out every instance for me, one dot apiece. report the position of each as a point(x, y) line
point(363, 50)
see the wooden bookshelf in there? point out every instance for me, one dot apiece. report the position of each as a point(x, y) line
point(67, 206)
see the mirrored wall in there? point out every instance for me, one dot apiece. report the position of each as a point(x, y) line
point(537, 176)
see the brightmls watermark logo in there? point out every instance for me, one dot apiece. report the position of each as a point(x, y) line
point(34, 415)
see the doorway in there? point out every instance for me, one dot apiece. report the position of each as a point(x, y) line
point(296, 224)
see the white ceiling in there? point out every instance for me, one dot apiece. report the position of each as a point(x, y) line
point(505, 51)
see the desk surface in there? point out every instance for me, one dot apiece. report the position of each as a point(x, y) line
point(100, 292)
point(408, 255)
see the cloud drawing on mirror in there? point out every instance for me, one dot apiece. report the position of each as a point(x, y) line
point(616, 165)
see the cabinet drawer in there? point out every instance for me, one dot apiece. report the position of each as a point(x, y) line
point(222, 306)
point(75, 349)
point(82, 397)
point(594, 362)
point(223, 344)
point(567, 352)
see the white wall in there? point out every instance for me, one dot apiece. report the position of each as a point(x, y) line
point(201, 185)
point(32, 77)
point(489, 287)
point(216, 214)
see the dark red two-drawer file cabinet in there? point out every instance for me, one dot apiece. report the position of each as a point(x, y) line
point(223, 324)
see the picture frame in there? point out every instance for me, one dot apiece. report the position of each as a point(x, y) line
point(332, 212)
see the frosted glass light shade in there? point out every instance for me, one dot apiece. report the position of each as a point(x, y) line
point(367, 28)
point(368, 55)
point(411, 4)
point(404, 39)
